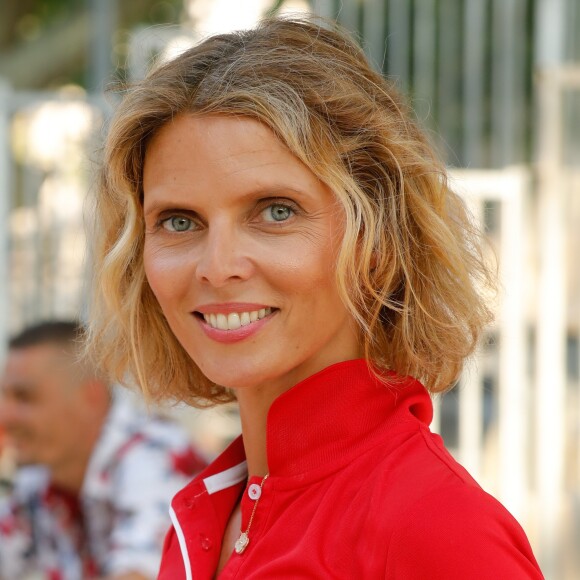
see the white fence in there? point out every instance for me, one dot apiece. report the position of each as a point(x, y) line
point(508, 190)
point(523, 458)
point(48, 143)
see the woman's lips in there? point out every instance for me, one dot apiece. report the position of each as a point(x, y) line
point(234, 326)
point(235, 320)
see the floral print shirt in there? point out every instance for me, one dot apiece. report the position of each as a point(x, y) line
point(118, 522)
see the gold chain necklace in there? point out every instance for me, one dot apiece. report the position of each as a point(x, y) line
point(243, 541)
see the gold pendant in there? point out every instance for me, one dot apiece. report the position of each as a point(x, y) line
point(241, 543)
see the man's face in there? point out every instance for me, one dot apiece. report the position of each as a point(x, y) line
point(37, 404)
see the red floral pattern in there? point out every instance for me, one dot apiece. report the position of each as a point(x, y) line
point(120, 519)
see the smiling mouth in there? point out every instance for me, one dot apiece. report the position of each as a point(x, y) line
point(235, 320)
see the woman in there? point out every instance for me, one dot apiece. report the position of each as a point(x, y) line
point(273, 227)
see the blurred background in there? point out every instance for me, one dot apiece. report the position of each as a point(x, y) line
point(496, 83)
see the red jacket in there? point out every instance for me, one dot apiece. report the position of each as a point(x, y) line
point(358, 488)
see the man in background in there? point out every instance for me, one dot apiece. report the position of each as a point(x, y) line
point(91, 496)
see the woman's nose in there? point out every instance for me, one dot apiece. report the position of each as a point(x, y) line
point(223, 258)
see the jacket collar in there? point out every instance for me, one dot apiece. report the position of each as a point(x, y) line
point(328, 419)
point(314, 429)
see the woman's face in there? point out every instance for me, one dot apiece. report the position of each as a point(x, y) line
point(240, 251)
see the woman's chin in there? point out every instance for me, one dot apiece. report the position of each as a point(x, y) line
point(234, 380)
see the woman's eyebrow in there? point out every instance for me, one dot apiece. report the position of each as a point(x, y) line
point(276, 191)
point(162, 205)
point(263, 191)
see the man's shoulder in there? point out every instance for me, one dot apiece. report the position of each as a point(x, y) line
point(158, 444)
point(130, 428)
point(129, 416)
point(140, 449)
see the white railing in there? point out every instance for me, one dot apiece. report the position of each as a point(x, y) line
point(530, 433)
point(510, 190)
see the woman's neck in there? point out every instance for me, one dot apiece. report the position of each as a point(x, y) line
point(254, 404)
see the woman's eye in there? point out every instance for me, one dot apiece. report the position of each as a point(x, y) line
point(277, 212)
point(178, 224)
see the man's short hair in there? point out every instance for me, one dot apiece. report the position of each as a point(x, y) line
point(60, 331)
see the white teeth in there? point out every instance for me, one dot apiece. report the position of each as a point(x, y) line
point(235, 320)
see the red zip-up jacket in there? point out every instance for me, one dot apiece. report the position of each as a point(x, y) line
point(358, 488)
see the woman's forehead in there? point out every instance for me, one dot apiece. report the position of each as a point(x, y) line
point(218, 139)
point(225, 151)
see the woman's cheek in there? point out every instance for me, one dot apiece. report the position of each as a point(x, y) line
point(164, 270)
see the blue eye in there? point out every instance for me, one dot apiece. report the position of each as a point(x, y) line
point(178, 224)
point(277, 212)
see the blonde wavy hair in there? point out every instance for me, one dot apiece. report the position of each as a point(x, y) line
point(410, 268)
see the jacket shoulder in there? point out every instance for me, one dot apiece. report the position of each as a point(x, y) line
point(444, 524)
